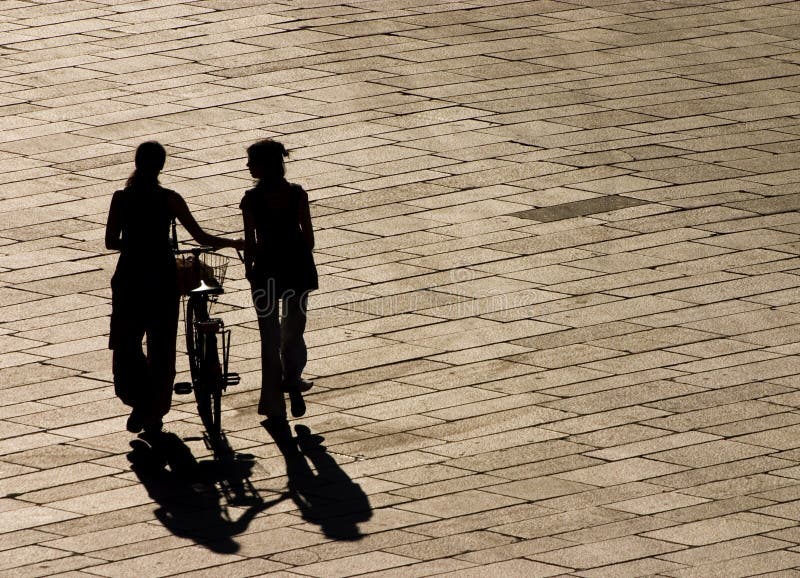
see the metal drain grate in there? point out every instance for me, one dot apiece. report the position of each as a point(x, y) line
point(579, 208)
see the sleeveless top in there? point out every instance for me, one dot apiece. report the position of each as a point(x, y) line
point(282, 257)
point(146, 260)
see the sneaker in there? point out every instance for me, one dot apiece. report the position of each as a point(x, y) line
point(134, 423)
point(153, 427)
point(297, 403)
point(277, 426)
point(276, 422)
point(301, 385)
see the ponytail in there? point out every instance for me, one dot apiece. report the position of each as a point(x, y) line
point(149, 160)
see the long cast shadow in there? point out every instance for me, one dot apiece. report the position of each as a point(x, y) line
point(193, 497)
point(326, 497)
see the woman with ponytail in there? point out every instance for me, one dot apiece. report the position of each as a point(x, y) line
point(144, 296)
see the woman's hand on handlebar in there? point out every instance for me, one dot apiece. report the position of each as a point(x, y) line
point(237, 244)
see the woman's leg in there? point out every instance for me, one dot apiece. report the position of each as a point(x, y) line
point(294, 353)
point(162, 331)
point(271, 402)
point(129, 365)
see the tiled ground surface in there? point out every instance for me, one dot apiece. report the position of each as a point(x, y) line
point(557, 329)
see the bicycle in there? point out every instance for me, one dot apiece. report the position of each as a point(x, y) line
point(201, 281)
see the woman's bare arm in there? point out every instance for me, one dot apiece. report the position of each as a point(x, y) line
point(249, 241)
point(182, 213)
point(114, 223)
point(305, 220)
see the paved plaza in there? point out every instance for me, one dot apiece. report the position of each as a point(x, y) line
point(557, 326)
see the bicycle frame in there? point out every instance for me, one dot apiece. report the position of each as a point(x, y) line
point(204, 336)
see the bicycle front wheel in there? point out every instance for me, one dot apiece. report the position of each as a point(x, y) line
point(212, 380)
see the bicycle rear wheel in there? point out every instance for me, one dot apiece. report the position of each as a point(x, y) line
point(210, 395)
point(201, 341)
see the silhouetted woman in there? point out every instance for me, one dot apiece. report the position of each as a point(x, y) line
point(144, 295)
point(279, 263)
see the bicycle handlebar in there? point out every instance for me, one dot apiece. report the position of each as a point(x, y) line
point(195, 250)
point(199, 249)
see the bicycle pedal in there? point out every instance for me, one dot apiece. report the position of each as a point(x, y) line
point(213, 325)
point(182, 388)
point(232, 379)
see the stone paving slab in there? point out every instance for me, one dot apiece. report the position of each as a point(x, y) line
point(556, 330)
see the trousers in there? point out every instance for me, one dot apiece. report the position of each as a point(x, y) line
point(144, 380)
point(281, 323)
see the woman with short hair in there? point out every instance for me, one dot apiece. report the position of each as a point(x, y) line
point(279, 262)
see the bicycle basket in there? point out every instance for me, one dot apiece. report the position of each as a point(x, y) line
point(207, 267)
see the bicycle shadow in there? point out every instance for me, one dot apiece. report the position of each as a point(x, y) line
point(326, 497)
point(193, 496)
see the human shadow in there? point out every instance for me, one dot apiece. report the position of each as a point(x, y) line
point(194, 496)
point(325, 495)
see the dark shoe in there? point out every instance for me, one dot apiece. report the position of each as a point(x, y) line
point(153, 427)
point(134, 423)
point(298, 404)
point(277, 426)
point(276, 422)
point(301, 385)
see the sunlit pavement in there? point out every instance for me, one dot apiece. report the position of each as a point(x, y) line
point(558, 320)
